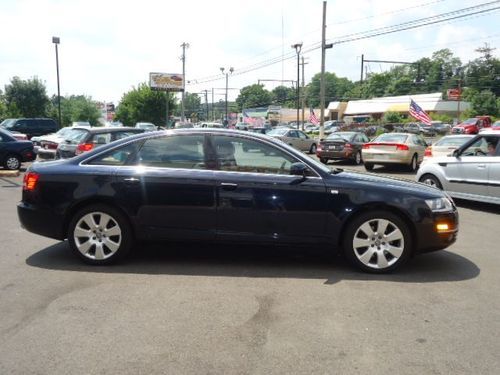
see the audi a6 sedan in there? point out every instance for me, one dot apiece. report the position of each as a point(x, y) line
point(201, 185)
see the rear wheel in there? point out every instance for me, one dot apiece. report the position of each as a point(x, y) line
point(377, 242)
point(312, 150)
point(100, 234)
point(414, 163)
point(431, 180)
point(357, 158)
point(323, 160)
point(12, 162)
point(369, 166)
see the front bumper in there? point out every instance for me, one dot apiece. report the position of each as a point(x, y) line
point(429, 238)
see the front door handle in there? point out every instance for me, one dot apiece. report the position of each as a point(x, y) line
point(228, 186)
point(481, 166)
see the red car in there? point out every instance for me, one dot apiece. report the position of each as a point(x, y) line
point(472, 125)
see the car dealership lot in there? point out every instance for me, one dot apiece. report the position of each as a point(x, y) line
point(181, 308)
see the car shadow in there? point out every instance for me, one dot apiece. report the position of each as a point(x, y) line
point(478, 206)
point(255, 262)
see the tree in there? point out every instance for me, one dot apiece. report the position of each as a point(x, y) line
point(144, 104)
point(392, 117)
point(192, 104)
point(3, 107)
point(253, 96)
point(26, 98)
point(483, 73)
point(484, 103)
point(335, 88)
point(284, 96)
point(75, 108)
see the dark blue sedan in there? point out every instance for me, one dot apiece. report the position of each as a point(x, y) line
point(13, 152)
point(220, 185)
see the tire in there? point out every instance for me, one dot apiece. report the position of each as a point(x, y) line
point(430, 179)
point(313, 148)
point(323, 160)
point(12, 162)
point(357, 160)
point(373, 251)
point(414, 163)
point(103, 242)
point(369, 166)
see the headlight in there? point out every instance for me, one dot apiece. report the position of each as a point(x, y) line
point(439, 204)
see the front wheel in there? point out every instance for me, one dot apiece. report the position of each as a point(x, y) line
point(431, 180)
point(12, 163)
point(313, 148)
point(100, 234)
point(377, 242)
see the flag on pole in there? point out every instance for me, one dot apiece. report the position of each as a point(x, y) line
point(419, 113)
point(312, 117)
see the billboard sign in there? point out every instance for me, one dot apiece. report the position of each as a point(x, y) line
point(453, 94)
point(166, 81)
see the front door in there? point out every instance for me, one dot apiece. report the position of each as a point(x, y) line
point(258, 199)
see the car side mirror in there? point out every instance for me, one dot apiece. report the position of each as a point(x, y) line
point(456, 153)
point(299, 169)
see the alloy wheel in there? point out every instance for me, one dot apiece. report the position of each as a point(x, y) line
point(13, 163)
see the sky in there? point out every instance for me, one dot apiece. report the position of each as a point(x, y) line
point(109, 47)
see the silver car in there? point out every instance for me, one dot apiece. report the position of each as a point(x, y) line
point(295, 138)
point(471, 172)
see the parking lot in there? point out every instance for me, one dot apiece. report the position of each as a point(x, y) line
point(203, 308)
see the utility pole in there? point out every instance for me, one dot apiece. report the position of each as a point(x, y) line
point(213, 113)
point(303, 93)
point(459, 99)
point(231, 70)
point(56, 40)
point(298, 47)
point(322, 80)
point(362, 63)
point(206, 101)
point(183, 58)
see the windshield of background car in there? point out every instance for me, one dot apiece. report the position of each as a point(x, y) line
point(8, 124)
point(340, 135)
point(452, 141)
point(64, 132)
point(391, 138)
point(76, 136)
point(279, 132)
point(470, 121)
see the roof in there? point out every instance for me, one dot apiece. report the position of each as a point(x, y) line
point(428, 102)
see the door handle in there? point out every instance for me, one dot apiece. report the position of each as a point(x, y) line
point(481, 166)
point(228, 186)
point(131, 179)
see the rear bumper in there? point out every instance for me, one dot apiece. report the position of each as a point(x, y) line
point(46, 154)
point(41, 221)
point(428, 236)
point(335, 154)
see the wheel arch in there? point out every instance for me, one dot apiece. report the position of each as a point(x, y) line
point(382, 207)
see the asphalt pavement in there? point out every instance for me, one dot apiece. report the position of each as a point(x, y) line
point(181, 308)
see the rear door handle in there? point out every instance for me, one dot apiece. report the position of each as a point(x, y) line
point(481, 166)
point(131, 179)
point(228, 186)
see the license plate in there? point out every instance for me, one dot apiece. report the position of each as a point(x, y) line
point(383, 157)
point(332, 147)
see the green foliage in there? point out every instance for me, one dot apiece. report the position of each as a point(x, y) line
point(253, 96)
point(392, 117)
point(482, 73)
point(447, 119)
point(284, 96)
point(75, 108)
point(484, 103)
point(26, 98)
point(335, 89)
point(192, 105)
point(144, 104)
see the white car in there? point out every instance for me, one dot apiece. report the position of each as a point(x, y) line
point(147, 126)
point(446, 145)
point(472, 172)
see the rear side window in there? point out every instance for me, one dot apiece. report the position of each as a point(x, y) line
point(181, 151)
point(101, 139)
point(118, 156)
point(121, 135)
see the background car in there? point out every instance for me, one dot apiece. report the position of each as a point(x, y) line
point(394, 148)
point(31, 126)
point(440, 127)
point(495, 127)
point(201, 185)
point(342, 146)
point(82, 140)
point(46, 146)
point(81, 124)
point(472, 172)
point(446, 145)
point(147, 126)
point(296, 138)
point(13, 152)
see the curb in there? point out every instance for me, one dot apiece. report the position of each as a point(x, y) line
point(9, 173)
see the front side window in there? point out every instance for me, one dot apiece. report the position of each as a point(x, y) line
point(180, 151)
point(247, 155)
point(483, 146)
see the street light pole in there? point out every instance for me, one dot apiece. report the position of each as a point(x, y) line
point(298, 48)
point(231, 70)
point(183, 58)
point(56, 40)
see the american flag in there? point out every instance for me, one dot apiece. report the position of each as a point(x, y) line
point(312, 118)
point(419, 113)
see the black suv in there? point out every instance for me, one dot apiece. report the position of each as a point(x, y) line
point(31, 126)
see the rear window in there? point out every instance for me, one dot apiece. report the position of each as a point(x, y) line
point(391, 138)
point(340, 135)
point(452, 141)
point(76, 136)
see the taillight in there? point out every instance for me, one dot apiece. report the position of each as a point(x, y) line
point(30, 181)
point(84, 147)
point(428, 152)
point(366, 146)
point(347, 145)
point(402, 148)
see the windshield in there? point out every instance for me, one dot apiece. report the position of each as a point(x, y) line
point(281, 131)
point(8, 123)
point(391, 138)
point(63, 132)
point(470, 121)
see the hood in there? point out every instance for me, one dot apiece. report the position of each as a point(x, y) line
point(399, 185)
